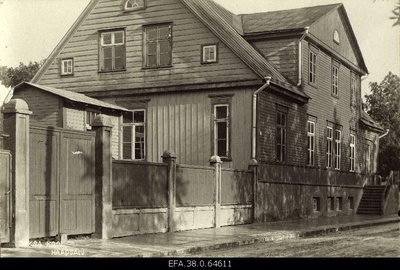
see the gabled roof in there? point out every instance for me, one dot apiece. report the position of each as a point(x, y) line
point(71, 96)
point(284, 20)
point(369, 122)
point(214, 17)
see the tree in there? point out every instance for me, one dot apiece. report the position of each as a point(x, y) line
point(383, 105)
point(12, 76)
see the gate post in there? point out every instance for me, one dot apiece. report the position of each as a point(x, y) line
point(253, 165)
point(216, 162)
point(103, 183)
point(170, 158)
point(16, 124)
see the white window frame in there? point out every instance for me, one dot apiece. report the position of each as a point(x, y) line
point(133, 125)
point(338, 148)
point(113, 45)
point(283, 145)
point(138, 7)
point(311, 143)
point(335, 80)
point(222, 120)
point(312, 76)
point(67, 66)
point(352, 152)
point(336, 36)
point(206, 54)
point(329, 147)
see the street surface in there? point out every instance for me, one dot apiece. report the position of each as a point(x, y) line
point(377, 241)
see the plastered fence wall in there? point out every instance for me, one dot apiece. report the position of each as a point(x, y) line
point(160, 197)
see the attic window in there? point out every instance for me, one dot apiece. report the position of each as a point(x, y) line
point(134, 5)
point(336, 37)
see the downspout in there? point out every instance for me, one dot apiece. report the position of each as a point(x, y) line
point(383, 135)
point(300, 60)
point(254, 125)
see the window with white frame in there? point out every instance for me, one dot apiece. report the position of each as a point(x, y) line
point(112, 51)
point(209, 53)
point(67, 66)
point(352, 152)
point(134, 135)
point(338, 148)
point(335, 79)
point(134, 4)
point(281, 133)
point(354, 88)
point(336, 36)
point(310, 143)
point(221, 130)
point(312, 67)
point(329, 142)
point(158, 46)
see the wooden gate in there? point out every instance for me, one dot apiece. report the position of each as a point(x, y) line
point(5, 196)
point(62, 173)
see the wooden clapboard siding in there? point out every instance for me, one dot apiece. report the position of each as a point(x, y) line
point(46, 107)
point(188, 36)
point(328, 108)
point(283, 53)
point(182, 122)
point(323, 30)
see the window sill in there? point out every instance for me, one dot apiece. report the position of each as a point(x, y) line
point(111, 71)
point(208, 63)
point(151, 68)
point(67, 75)
point(335, 96)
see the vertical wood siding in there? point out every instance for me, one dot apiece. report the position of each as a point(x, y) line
point(182, 122)
point(45, 106)
point(283, 53)
point(188, 35)
point(324, 29)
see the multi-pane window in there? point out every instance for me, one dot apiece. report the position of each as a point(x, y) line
point(281, 126)
point(209, 53)
point(338, 148)
point(221, 130)
point(352, 152)
point(312, 67)
point(329, 142)
point(331, 204)
point(335, 80)
point(134, 135)
point(67, 66)
point(158, 46)
point(112, 51)
point(310, 143)
point(134, 4)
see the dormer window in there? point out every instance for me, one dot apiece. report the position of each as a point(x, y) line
point(336, 37)
point(134, 5)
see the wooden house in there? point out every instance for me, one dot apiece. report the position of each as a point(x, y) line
point(281, 87)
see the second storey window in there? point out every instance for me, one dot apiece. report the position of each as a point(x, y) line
point(329, 141)
point(133, 135)
point(158, 46)
point(112, 51)
point(312, 67)
point(209, 53)
point(67, 66)
point(338, 148)
point(354, 88)
point(281, 125)
point(352, 152)
point(221, 130)
point(335, 79)
point(310, 142)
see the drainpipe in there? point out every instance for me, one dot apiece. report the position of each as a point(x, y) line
point(254, 125)
point(383, 135)
point(300, 60)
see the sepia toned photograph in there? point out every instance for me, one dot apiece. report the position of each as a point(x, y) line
point(200, 132)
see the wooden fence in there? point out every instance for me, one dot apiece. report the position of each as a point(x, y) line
point(160, 197)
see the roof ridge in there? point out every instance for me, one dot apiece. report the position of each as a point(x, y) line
point(291, 9)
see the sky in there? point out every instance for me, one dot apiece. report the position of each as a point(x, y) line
point(30, 29)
